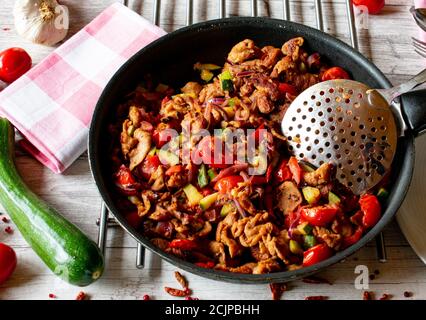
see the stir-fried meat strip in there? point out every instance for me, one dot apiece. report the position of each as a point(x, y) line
point(261, 212)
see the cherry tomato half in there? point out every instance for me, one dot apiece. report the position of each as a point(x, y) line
point(373, 6)
point(149, 165)
point(335, 73)
point(316, 254)
point(7, 262)
point(226, 184)
point(320, 216)
point(14, 62)
point(370, 207)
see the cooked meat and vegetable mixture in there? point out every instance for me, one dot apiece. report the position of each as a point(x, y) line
point(213, 208)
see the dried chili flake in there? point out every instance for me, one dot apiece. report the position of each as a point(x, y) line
point(408, 294)
point(146, 297)
point(376, 272)
point(81, 296)
point(372, 277)
point(5, 220)
point(367, 295)
point(181, 279)
point(176, 292)
point(6, 29)
point(277, 290)
point(191, 298)
point(315, 280)
point(316, 298)
point(52, 296)
point(8, 230)
point(385, 296)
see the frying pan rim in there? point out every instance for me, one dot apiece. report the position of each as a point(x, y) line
point(306, 31)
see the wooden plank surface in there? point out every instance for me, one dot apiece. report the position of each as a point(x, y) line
point(387, 42)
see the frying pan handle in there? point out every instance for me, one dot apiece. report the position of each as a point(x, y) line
point(414, 110)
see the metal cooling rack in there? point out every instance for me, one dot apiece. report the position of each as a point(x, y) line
point(105, 222)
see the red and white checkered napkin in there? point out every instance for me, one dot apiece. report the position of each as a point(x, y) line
point(52, 104)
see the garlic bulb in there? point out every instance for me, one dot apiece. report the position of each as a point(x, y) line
point(41, 21)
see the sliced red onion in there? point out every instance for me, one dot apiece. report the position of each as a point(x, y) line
point(240, 209)
point(314, 60)
point(245, 176)
point(230, 171)
point(222, 112)
point(294, 225)
point(207, 112)
point(218, 101)
point(245, 73)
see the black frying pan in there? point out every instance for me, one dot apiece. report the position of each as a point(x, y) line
point(170, 59)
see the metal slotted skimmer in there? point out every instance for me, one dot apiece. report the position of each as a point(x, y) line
point(346, 123)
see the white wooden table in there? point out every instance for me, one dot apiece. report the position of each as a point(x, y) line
point(387, 42)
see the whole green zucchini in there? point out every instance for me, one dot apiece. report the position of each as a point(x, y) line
point(62, 246)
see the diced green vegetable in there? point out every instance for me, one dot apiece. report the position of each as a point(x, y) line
point(168, 157)
point(304, 228)
point(333, 198)
point(206, 66)
point(208, 201)
point(309, 241)
point(295, 247)
point(311, 194)
point(133, 199)
point(233, 101)
point(226, 81)
point(306, 167)
point(211, 173)
point(226, 209)
point(203, 179)
point(382, 194)
point(225, 75)
point(194, 197)
point(206, 75)
point(152, 152)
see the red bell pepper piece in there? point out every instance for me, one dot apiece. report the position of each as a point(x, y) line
point(174, 169)
point(183, 244)
point(283, 173)
point(257, 180)
point(287, 88)
point(371, 209)
point(316, 254)
point(149, 165)
point(352, 239)
point(226, 184)
point(295, 170)
point(207, 265)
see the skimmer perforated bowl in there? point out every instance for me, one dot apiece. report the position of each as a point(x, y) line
point(346, 123)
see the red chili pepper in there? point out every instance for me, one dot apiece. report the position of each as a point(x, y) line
point(146, 297)
point(5, 220)
point(207, 265)
point(352, 239)
point(183, 244)
point(295, 170)
point(14, 62)
point(287, 88)
point(124, 177)
point(283, 173)
point(7, 262)
point(371, 209)
point(8, 230)
point(316, 254)
point(320, 216)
